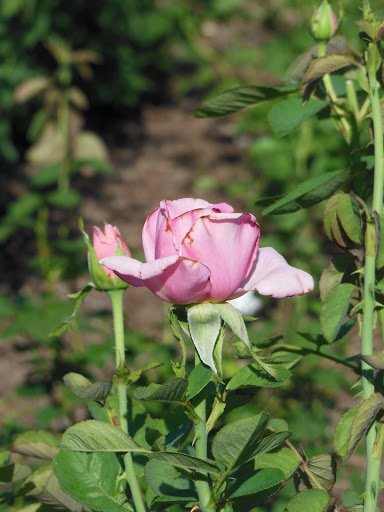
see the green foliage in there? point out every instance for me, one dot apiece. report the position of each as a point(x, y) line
point(40, 444)
point(166, 479)
point(288, 114)
point(239, 441)
point(334, 309)
point(363, 418)
point(310, 192)
point(198, 379)
point(231, 101)
point(343, 432)
point(97, 436)
point(255, 376)
point(314, 500)
point(92, 479)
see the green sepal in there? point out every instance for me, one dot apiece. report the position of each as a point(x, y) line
point(204, 324)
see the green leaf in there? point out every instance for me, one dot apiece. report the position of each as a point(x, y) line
point(165, 479)
point(261, 480)
point(20, 213)
point(267, 201)
point(282, 458)
point(98, 412)
point(76, 382)
point(43, 485)
point(234, 319)
point(14, 473)
point(365, 414)
point(255, 376)
point(204, 325)
point(338, 233)
point(370, 31)
point(198, 379)
point(218, 351)
point(376, 360)
point(46, 176)
point(171, 391)
point(323, 467)
point(182, 460)
point(328, 64)
point(309, 192)
point(43, 445)
point(97, 436)
point(80, 297)
point(313, 500)
point(271, 442)
point(236, 443)
point(339, 268)
point(286, 355)
point(65, 199)
point(97, 391)
point(4, 457)
point(83, 388)
point(288, 114)
point(163, 502)
point(233, 100)
point(92, 479)
point(348, 215)
point(174, 440)
point(31, 87)
point(334, 309)
point(352, 498)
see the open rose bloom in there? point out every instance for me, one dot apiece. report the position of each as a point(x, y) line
point(199, 252)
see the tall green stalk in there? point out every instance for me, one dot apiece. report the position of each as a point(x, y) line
point(372, 483)
point(202, 485)
point(116, 297)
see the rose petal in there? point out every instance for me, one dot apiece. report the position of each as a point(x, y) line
point(150, 232)
point(271, 275)
point(172, 279)
point(166, 227)
point(181, 225)
point(176, 208)
point(180, 206)
point(227, 244)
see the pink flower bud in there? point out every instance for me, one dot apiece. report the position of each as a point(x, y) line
point(324, 22)
point(109, 243)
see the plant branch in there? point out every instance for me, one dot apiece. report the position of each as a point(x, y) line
point(372, 482)
point(201, 435)
point(307, 351)
point(116, 297)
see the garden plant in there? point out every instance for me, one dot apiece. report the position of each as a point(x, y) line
point(174, 445)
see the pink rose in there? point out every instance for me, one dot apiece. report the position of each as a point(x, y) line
point(109, 243)
point(200, 252)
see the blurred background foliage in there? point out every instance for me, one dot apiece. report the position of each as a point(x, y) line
point(69, 71)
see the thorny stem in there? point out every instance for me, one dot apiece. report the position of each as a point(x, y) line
point(202, 485)
point(307, 351)
point(116, 297)
point(342, 123)
point(372, 481)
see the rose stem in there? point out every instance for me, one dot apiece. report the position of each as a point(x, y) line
point(372, 481)
point(201, 436)
point(116, 297)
